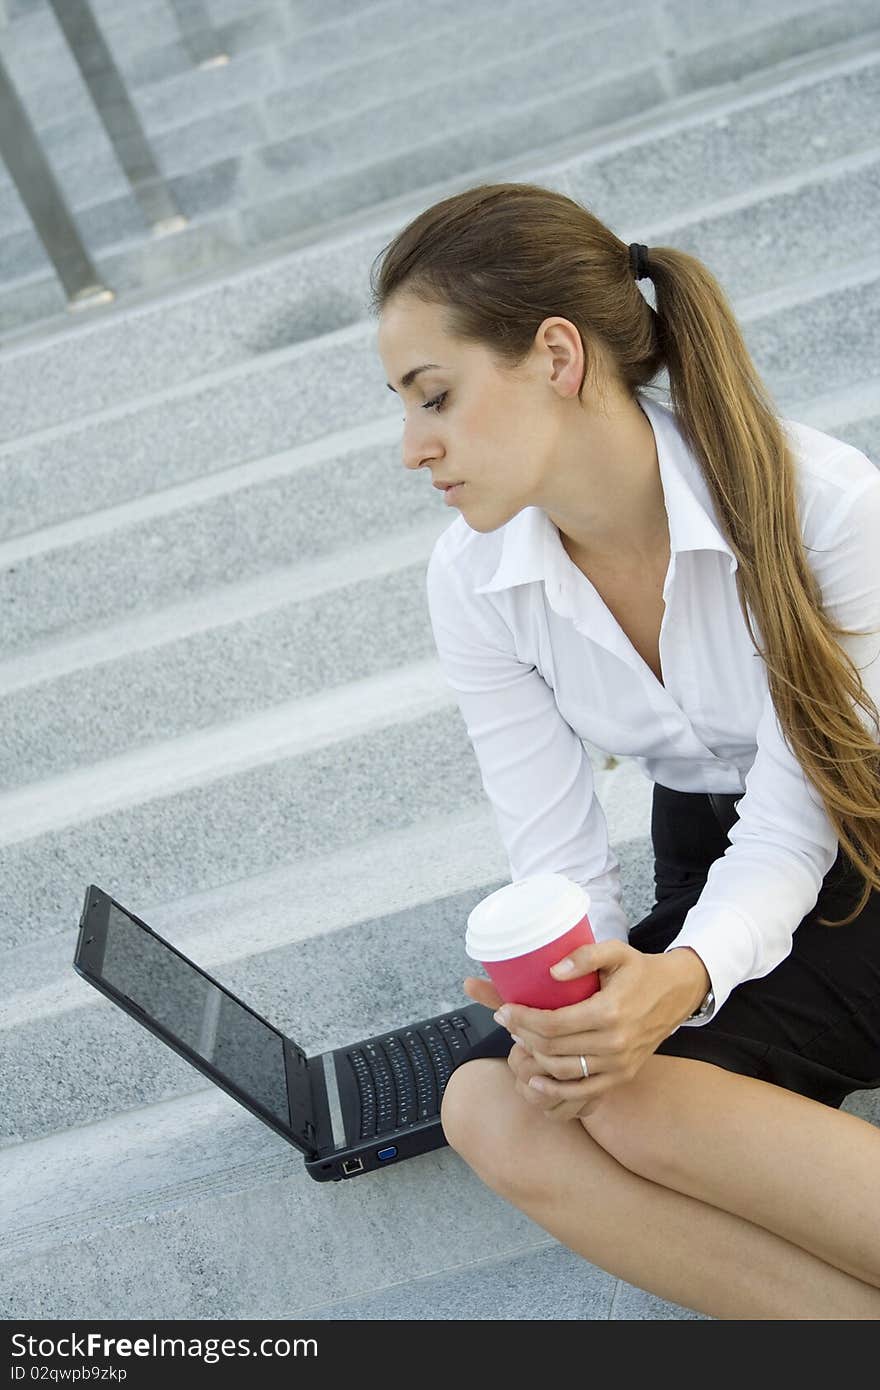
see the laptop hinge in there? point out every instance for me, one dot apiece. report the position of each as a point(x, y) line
point(325, 1124)
point(299, 1096)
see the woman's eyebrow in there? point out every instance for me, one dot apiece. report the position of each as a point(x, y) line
point(409, 378)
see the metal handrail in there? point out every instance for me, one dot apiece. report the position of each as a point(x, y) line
point(118, 115)
point(32, 174)
point(41, 194)
point(197, 33)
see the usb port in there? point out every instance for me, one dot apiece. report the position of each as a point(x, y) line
point(352, 1165)
point(383, 1155)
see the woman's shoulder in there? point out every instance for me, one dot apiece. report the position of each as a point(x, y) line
point(461, 567)
point(830, 474)
point(825, 459)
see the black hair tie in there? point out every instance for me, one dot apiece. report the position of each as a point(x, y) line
point(638, 259)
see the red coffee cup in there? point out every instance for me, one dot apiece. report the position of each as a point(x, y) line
point(522, 929)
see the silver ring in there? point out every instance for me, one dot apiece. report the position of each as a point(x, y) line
point(584, 1067)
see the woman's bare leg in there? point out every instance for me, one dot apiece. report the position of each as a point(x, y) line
point(663, 1241)
point(801, 1169)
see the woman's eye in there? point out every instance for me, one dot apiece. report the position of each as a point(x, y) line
point(436, 403)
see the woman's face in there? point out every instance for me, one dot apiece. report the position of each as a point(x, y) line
point(468, 420)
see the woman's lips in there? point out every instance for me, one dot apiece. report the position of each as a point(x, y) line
point(452, 492)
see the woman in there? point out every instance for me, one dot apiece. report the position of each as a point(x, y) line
point(696, 588)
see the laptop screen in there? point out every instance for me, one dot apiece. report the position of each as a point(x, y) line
point(184, 1002)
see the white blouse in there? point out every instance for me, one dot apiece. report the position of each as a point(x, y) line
point(537, 663)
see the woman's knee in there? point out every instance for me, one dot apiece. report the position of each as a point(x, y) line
point(466, 1095)
point(624, 1124)
point(486, 1121)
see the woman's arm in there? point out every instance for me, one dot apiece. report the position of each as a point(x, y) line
point(534, 768)
point(783, 845)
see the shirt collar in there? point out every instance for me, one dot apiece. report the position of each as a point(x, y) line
point(531, 545)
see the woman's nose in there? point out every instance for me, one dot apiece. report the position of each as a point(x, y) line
point(418, 448)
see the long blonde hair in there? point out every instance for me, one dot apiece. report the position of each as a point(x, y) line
point(503, 257)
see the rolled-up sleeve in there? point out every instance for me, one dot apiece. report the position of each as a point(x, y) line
point(534, 769)
point(783, 844)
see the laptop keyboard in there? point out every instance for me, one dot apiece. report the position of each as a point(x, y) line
point(401, 1077)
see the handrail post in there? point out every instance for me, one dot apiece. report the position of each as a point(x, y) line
point(118, 115)
point(44, 200)
point(197, 33)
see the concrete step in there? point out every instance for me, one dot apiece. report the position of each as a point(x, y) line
point(192, 724)
point(63, 113)
point(186, 1152)
point(184, 137)
point(227, 160)
point(236, 798)
point(76, 697)
point(79, 700)
point(147, 44)
point(173, 1187)
point(290, 86)
point(229, 184)
point(172, 1210)
point(38, 300)
point(157, 1200)
point(277, 939)
point(375, 51)
point(306, 39)
point(769, 141)
point(248, 412)
point(85, 163)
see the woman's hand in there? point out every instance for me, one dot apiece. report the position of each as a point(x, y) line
point(643, 998)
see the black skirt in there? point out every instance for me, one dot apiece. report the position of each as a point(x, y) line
point(813, 1024)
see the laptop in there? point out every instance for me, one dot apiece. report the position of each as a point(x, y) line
point(350, 1111)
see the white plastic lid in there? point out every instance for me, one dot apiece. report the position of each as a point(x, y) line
point(524, 915)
